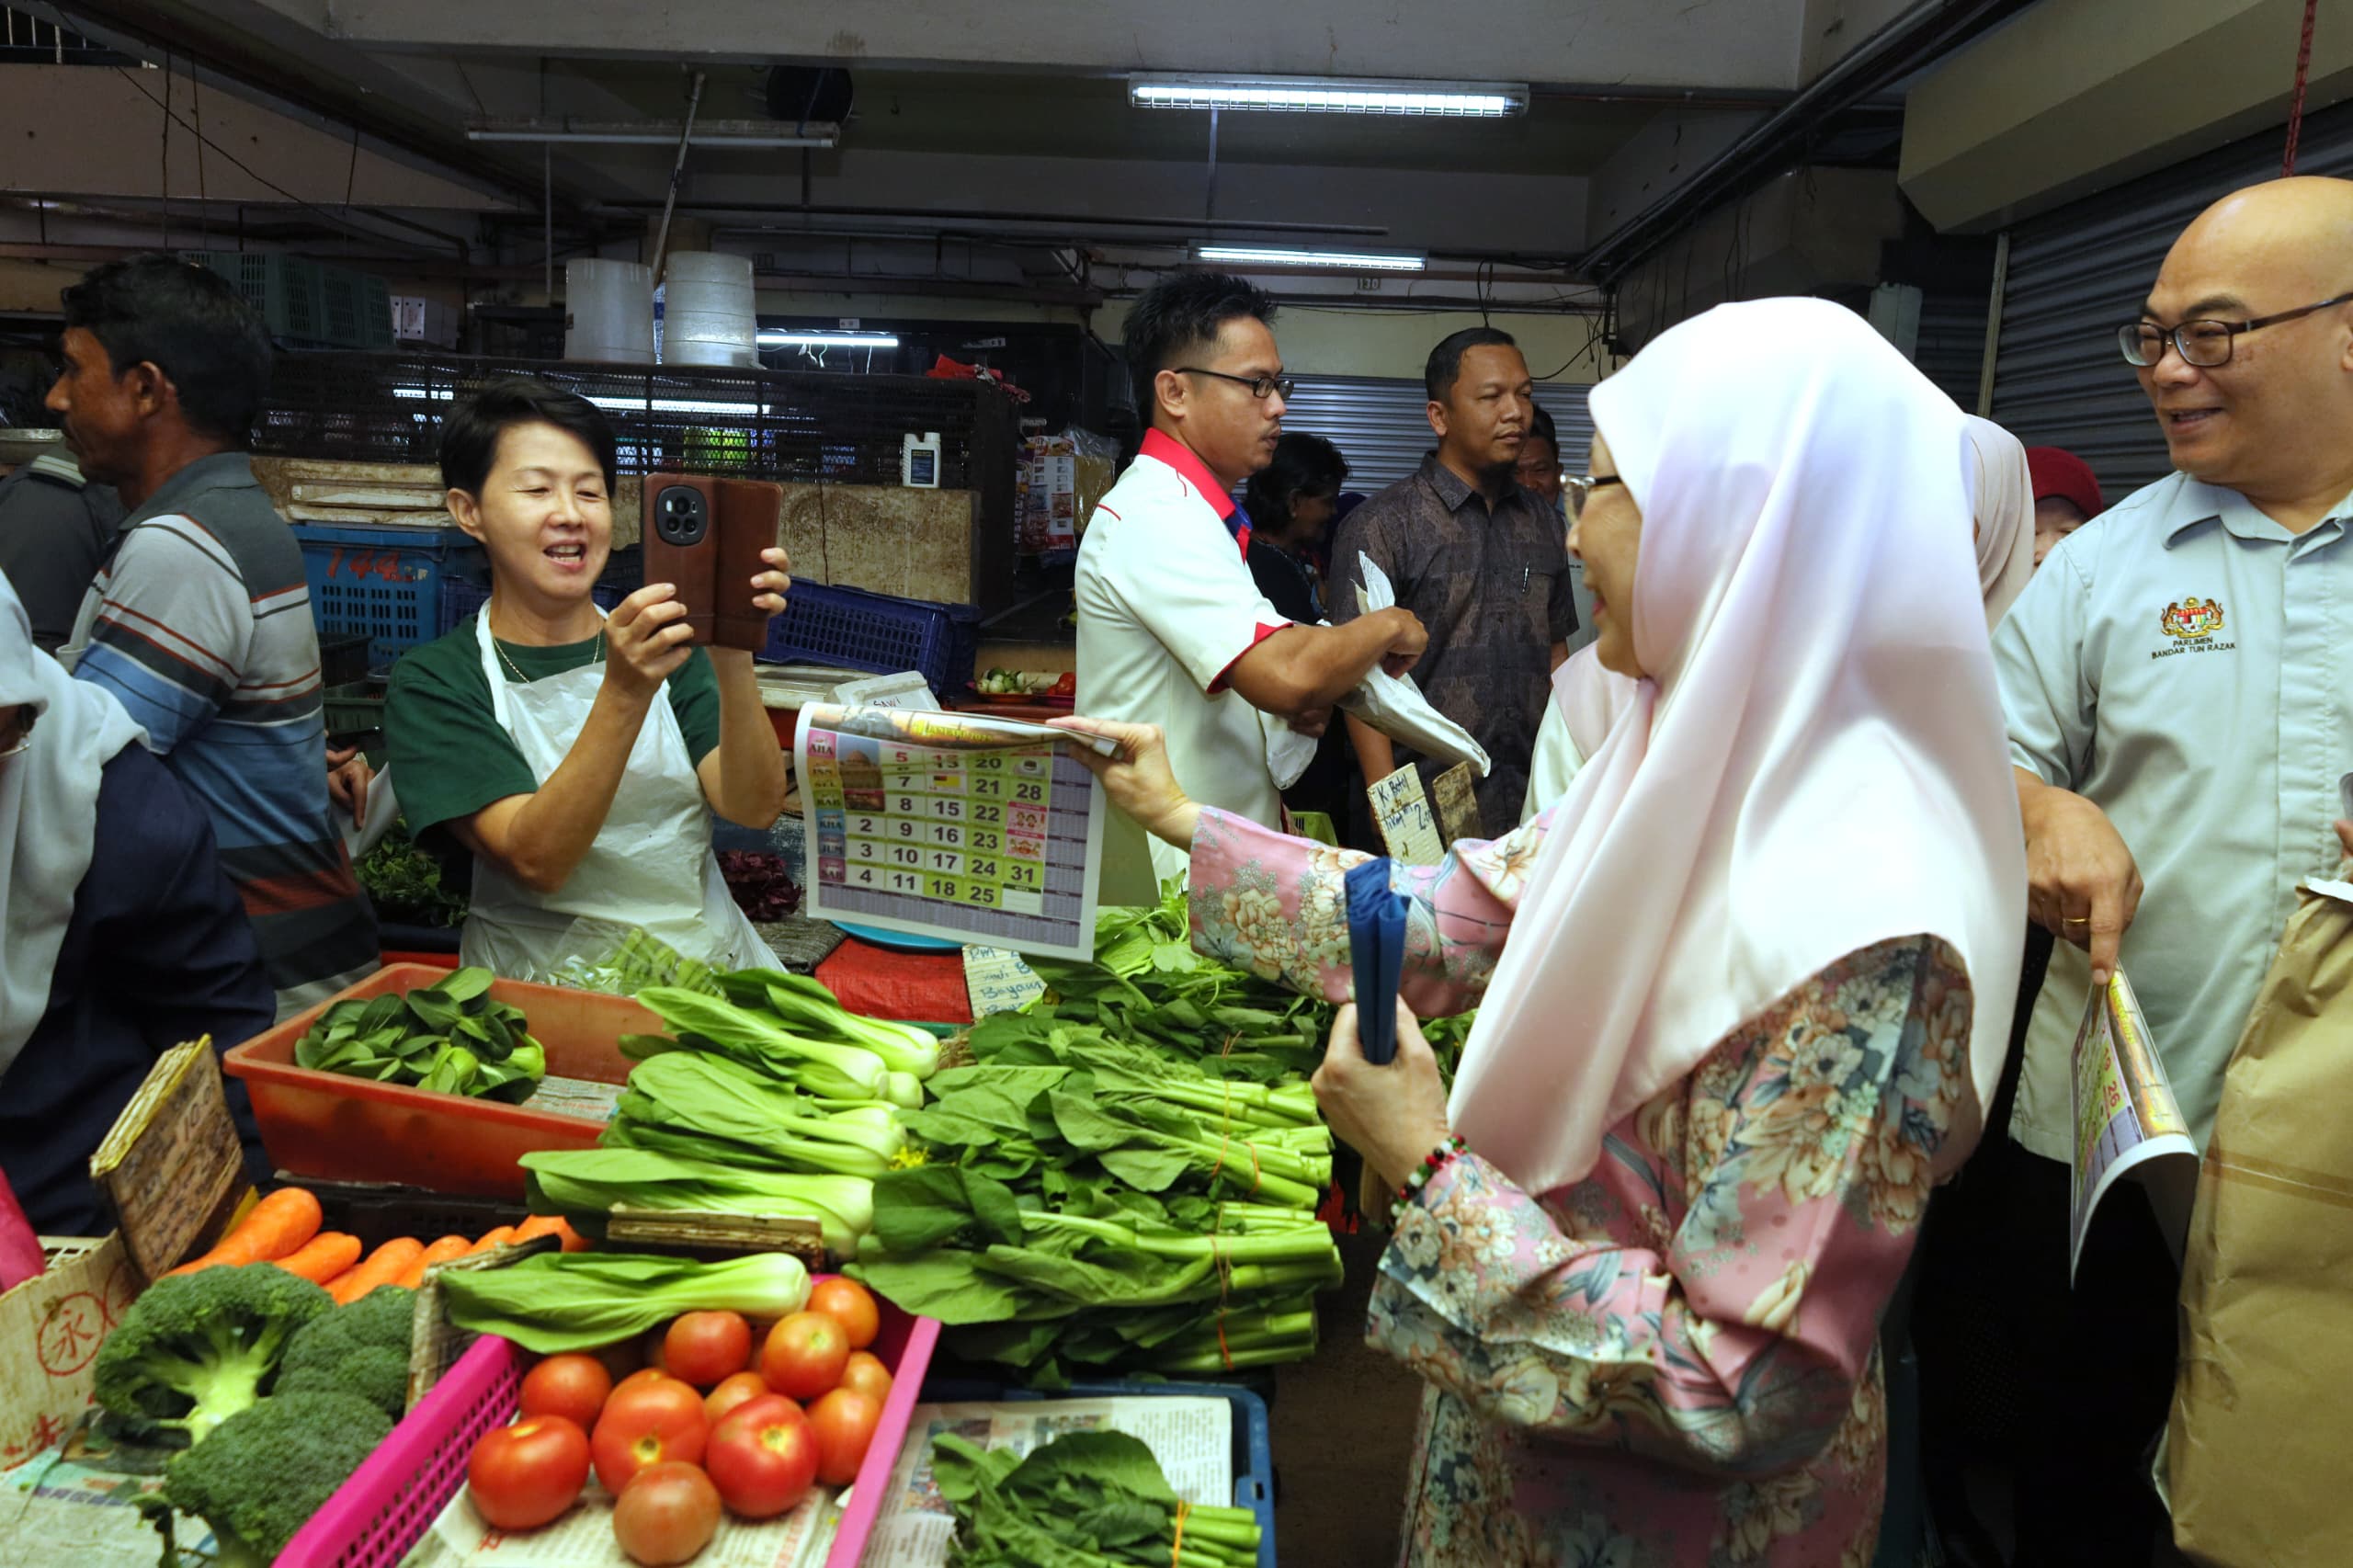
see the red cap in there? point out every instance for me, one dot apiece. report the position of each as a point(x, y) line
point(2057, 472)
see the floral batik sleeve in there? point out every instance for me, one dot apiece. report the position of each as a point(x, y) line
point(1279, 907)
point(1722, 1322)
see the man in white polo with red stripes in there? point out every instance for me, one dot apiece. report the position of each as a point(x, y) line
point(1172, 629)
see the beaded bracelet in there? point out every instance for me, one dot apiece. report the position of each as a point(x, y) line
point(1432, 1163)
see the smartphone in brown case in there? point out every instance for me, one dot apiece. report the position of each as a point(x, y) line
point(706, 534)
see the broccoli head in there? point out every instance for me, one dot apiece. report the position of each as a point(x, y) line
point(197, 1348)
point(263, 1473)
point(362, 1348)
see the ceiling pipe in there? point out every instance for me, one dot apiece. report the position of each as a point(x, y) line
point(1770, 147)
point(677, 173)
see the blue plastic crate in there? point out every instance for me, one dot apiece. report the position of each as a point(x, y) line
point(860, 630)
point(384, 583)
point(1254, 1458)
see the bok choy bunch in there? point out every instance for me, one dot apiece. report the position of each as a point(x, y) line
point(586, 1184)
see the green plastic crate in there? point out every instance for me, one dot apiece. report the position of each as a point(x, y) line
point(286, 290)
point(359, 309)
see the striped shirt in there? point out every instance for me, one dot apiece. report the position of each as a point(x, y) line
point(202, 625)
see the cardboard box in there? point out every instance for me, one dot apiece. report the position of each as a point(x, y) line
point(50, 1327)
point(172, 1171)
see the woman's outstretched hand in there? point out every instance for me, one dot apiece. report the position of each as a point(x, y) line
point(1138, 778)
point(1394, 1114)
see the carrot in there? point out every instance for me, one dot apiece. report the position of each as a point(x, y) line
point(499, 1237)
point(323, 1257)
point(442, 1251)
point(383, 1266)
point(539, 1226)
point(573, 1240)
point(279, 1226)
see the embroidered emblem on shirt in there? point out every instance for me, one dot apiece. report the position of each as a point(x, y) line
point(2191, 619)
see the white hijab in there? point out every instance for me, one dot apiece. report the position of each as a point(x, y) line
point(1817, 765)
point(2001, 496)
point(1590, 697)
point(48, 814)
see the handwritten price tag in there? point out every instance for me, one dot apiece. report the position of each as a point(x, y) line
point(998, 981)
point(1403, 813)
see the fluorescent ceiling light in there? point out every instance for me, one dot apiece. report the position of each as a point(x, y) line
point(1330, 95)
point(1366, 261)
point(827, 340)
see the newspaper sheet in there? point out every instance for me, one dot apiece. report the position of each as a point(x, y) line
point(1191, 1438)
point(2126, 1119)
point(583, 1538)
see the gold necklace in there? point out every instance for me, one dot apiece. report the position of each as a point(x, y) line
point(515, 670)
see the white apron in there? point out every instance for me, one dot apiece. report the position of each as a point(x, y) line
point(641, 873)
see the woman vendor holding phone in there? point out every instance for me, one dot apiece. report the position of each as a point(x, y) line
point(576, 757)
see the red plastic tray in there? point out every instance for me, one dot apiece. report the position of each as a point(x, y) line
point(333, 1128)
point(390, 1501)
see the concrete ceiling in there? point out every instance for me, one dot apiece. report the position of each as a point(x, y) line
point(975, 119)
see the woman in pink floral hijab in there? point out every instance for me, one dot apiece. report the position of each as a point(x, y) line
point(1729, 1031)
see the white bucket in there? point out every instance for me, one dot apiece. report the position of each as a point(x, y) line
point(709, 316)
point(608, 311)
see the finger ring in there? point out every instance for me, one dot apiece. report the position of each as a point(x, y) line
point(2078, 920)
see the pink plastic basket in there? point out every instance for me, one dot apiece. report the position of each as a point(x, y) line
point(390, 1501)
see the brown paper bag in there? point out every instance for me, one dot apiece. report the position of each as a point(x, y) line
point(2260, 1425)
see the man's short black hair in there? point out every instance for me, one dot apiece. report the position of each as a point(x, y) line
point(1541, 429)
point(1175, 318)
point(1302, 465)
point(469, 436)
point(1446, 359)
point(190, 323)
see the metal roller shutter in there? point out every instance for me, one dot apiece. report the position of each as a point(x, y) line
point(1382, 425)
point(1951, 348)
point(2078, 274)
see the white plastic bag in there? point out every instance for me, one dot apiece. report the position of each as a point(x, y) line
point(1395, 705)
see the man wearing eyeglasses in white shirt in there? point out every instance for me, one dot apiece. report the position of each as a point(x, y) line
point(2178, 686)
point(1172, 628)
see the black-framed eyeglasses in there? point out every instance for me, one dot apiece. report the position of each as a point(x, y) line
point(1581, 486)
point(1260, 385)
point(2202, 344)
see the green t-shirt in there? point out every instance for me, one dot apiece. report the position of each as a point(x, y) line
point(449, 755)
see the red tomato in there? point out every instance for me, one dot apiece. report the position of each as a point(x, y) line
point(526, 1475)
point(804, 1354)
point(667, 1514)
point(703, 1347)
point(732, 1391)
point(654, 1421)
point(763, 1458)
point(844, 1420)
point(866, 1375)
point(572, 1386)
point(850, 1304)
point(640, 1378)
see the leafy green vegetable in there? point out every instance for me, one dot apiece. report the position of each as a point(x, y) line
point(731, 1112)
point(579, 1301)
point(584, 1184)
point(405, 883)
point(638, 962)
point(805, 1006)
point(1086, 1500)
point(452, 1038)
point(757, 1039)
